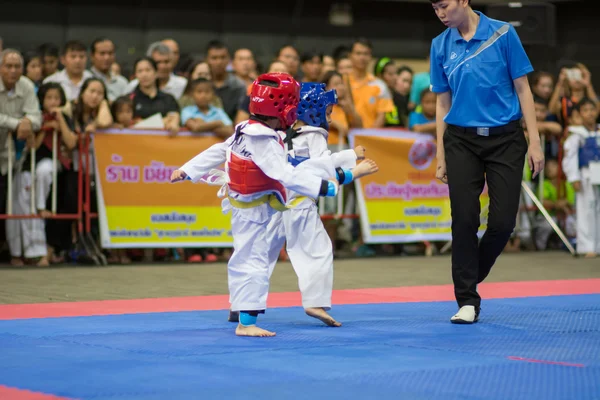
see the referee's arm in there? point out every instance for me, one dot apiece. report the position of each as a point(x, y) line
point(440, 86)
point(442, 108)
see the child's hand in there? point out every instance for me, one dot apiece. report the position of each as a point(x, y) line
point(51, 125)
point(360, 152)
point(178, 175)
point(576, 186)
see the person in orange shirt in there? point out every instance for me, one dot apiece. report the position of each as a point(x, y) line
point(371, 95)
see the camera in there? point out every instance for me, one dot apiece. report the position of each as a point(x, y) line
point(574, 74)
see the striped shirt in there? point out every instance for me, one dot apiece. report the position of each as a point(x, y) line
point(15, 104)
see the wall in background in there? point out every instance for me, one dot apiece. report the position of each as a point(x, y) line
point(397, 29)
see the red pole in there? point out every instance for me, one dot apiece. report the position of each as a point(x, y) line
point(80, 187)
point(88, 220)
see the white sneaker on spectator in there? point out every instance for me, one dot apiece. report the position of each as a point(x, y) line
point(466, 315)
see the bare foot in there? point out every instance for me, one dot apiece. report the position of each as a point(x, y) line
point(591, 255)
point(322, 315)
point(365, 168)
point(253, 331)
point(45, 213)
point(43, 262)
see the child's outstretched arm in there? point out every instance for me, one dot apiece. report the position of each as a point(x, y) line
point(346, 176)
point(269, 156)
point(200, 165)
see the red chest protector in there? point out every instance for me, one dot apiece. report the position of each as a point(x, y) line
point(246, 178)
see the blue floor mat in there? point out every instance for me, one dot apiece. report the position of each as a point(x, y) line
point(383, 351)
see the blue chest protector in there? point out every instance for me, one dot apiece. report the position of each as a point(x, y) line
point(590, 151)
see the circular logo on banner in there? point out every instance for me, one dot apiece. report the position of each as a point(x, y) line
point(421, 154)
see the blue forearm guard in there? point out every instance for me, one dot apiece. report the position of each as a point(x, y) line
point(344, 176)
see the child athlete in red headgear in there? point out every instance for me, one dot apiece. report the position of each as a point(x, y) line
point(257, 176)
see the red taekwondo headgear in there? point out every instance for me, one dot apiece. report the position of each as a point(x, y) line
point(276, 95)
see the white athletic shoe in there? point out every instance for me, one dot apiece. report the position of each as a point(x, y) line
point(466, 315)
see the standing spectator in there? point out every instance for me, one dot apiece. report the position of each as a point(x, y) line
point(228, 87)
point(542, 85)
point(344, 66)
point(102, 51)
point(49, 53)
point(167, 81)
point(71, 78)
point(290, 56)
point(19, 114)
point(343, 114)
point(33, 68)
point(402, 92)
point(372, 98)
point(244, 65)
point(574, 83)
point(328, 65)
point(27, 237)
point(312, 66)
point(385, 69)
point(421, 81)
point(175, 54)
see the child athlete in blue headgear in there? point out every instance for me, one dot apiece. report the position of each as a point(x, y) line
point(308, 245)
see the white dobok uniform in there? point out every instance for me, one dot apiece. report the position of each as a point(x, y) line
point(257, 175)
point(587, 201)
point(308, 244)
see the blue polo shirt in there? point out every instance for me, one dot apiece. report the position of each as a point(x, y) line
point(480, 73)
point(213, 114)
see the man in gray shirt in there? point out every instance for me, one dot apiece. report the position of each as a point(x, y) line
point(19, 115)
point(102, 51)
point(228, 87)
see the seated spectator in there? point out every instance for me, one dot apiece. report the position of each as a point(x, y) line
point(149, 100)
point(204, 117)
point(122, 112)
point(424, 121)
point(198, 69)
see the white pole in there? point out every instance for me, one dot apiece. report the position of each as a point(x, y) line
point(9, 200)
point(33, 178)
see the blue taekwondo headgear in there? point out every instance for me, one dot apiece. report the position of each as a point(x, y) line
point(314, 101)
